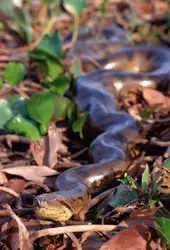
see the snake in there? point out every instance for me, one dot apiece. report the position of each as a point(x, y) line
point(145, 65)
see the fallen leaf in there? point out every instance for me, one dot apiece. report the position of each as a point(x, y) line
point(145, 216)
point(16, 185)
point(136, 237)
point(33, 173)
point(24, 241)
point(153, 97)
point(45, 149)
point(3, 179)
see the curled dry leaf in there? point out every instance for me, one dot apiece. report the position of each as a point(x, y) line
point(16, 185)
point(3, 179)
point(24, 241)
point(45, 150)
point(132, 238)
point(31, 173)
point(153, 97)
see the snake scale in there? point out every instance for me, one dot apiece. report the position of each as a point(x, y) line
point(144, 65)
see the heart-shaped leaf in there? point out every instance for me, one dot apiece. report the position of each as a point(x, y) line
point(40, 107)
point(124, 195)
point(61, 105)
point(51, 45)
point(14, 73)
point(74, 7)
point(21, 126)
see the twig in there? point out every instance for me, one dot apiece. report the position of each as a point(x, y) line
point(15, 138)
point(157, 142)
point(79, 153)
point(92, 60)
point(24, 242)
point(94, 201)
point(69, 229)
point(73, 238)
point(17, 211)
point(9, 191)
point(75, 241)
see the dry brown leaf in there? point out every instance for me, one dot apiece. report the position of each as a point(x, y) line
point(45, 149)
point(136, 237)
point(145, 216)
point(93, 244)
point(16, 185)
point(31, 173)
point(24, 241)
point(3, 179)
point(153, 97)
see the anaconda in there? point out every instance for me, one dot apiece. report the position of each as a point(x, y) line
point(143, 65)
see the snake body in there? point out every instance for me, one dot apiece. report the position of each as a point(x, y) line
point(143, 65)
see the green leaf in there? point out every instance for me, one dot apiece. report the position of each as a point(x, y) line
point(152, 202)
point(79, 123)
point(72, 111)
point(133, 22)
point(163, 228)
point(28, 32)
point(17, 105)
point(145, 114)
point(40, 107)
point(96, 218)
point(76, 69)
point(21, 126)
point(74, 7)
point(61, 105)
point(54, 68)
point(1, 83)
point(156, 180)
point(145, 180)
point(54, 7)
point(43, 129)
point(14, 73)
point(61, 84)
point(22, 20)
point(5, 113)
point(124, 195)
point(48, 65)
point(20, 17)
point(51, 45)
point(103, 7)
point(13, 99)
point(167, 163)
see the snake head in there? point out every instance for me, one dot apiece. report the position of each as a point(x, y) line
point(48, 206)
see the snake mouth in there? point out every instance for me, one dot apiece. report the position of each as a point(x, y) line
point(58, 210)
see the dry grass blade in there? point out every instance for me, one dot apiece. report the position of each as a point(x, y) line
point(24, 241)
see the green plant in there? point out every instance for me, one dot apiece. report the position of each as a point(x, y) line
point(20, 16)
point(75, 8)
point(146, 113)
point(102, 14)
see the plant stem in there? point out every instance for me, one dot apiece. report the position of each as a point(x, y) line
point(76, 30)
point(49, 26)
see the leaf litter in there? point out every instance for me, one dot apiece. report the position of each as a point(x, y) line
point(136, 212)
